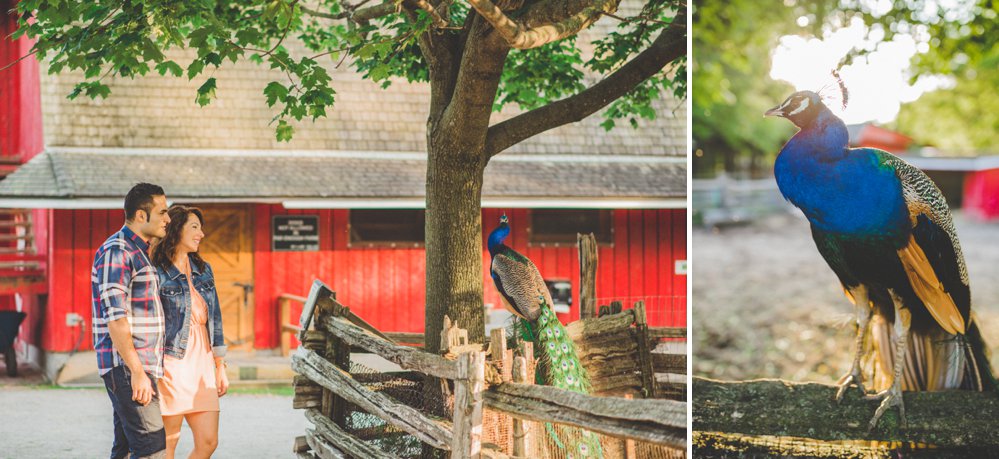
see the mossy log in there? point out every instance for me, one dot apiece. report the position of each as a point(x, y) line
point(808, 410)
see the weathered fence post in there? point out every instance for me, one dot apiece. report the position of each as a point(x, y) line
point(337, 352)
point(521, 437)
point(497, 339)
point(644, 351)
point(467, 442)
point(587, 275)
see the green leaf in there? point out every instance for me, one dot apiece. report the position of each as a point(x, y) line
point(194, 69)
point(97, 89)
point(169, 66)
point(206, 92)
point(284, 131)
point(275, 91)
point(213, 58)
point(151, 52)
point(380, 72)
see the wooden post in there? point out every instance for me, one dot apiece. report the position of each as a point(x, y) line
point(497, 339)
point(587, 275)
point(521, 438)
point(340, 358)
point(284, 318)
point(644, 351)
point(467, 442)
point(324, 309)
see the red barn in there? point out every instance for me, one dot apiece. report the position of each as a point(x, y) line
point(343, 202)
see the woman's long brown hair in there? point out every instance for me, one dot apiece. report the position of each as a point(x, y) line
point(163, 251)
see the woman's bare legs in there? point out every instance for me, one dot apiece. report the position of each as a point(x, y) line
point(171, 426)
point(205, 426)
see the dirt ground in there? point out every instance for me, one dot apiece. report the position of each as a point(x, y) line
point(766, 305)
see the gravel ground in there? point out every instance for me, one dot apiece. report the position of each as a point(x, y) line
point(766, 305)
point(43, 422)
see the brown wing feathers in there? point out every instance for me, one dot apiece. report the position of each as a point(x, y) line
point(522, 285)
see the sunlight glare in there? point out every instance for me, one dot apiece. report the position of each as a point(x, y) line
point(878, 83)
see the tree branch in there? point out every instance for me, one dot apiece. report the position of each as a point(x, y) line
point(520, 36)
point(808, 410)
point(667, 47)
point(360, 15)
point(477, 79)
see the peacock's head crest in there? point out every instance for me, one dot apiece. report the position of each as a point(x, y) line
point(801, 108)
point(503, 218)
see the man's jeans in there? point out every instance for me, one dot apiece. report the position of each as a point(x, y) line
point(137, 429)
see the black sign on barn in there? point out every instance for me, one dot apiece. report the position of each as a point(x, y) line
point(295, 233)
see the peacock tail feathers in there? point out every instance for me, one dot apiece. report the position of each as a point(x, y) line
point(559, 366)
point(558, 363)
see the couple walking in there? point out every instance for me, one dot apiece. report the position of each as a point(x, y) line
point(158, 329)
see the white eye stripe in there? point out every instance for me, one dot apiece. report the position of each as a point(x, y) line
point(801, 108)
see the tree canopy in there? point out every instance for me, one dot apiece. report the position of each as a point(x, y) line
point(128, 39)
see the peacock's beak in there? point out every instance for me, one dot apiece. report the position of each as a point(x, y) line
point(776, 111)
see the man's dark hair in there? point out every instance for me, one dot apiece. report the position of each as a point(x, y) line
point(141, 197)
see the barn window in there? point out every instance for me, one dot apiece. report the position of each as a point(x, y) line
point(387, 227)
point(559, 226)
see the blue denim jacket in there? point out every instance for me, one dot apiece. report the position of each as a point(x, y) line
point(175, 295)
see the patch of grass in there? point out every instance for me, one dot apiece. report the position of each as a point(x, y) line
point(283, 391)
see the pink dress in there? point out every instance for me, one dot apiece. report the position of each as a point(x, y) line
point(188, 384)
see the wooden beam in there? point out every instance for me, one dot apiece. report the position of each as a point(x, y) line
point(321, 447)
point(467, 439)
point(406, 357)
point(412, 339)
point(342, 439)
point(591, 328)
point(661, 422)
point(808, 410)
point(318, 293)
point(300, 445)
point(644, 352)
point(521, 434)
point(658, 333)
point(669, 363)
point(434, 432)
point(587, 275)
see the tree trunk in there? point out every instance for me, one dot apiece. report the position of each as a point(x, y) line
point(454, 243)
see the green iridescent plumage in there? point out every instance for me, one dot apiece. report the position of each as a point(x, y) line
point(559, 366)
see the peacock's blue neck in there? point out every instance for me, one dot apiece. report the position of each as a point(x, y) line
point(496, 238)
point(840, 190)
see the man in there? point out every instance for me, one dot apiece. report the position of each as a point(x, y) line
point(128, 324)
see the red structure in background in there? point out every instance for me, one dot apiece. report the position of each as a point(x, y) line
point(385, 285)
point(981, 193)
point(20, 140)
point(872, 136)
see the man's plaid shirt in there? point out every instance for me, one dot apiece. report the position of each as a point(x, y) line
point(124, 284)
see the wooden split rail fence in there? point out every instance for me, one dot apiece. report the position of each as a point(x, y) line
point(497, 380)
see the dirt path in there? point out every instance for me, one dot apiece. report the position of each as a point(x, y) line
point(76, 423)
point(766, 305)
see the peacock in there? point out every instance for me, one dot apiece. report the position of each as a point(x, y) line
point(525, 294)
point(885, 229)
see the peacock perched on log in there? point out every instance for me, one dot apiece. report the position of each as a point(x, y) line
point(525, 294)
point(886, 231)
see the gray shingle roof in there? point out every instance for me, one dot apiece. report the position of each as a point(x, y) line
point(156, 111)
point(257, 175)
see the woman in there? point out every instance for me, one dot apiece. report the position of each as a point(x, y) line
point(193, 367)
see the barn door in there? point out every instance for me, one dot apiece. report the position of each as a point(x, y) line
point(228, 246)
